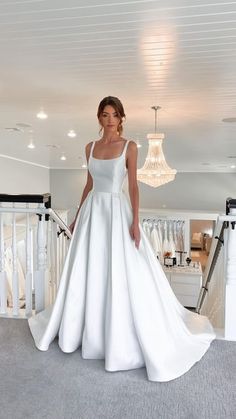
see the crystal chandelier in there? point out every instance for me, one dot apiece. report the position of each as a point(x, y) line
point(155, 171)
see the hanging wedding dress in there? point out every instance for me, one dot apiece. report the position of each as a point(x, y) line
point(166, 244)
point(114, 300)
point(171, 239)
point(147, 230)
point(155, 242)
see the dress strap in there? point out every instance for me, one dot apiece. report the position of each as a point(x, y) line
point(125, 147)
point(91, 149)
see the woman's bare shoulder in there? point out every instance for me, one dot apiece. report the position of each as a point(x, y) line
point(88, 148)
point(132, 145)
point(89, 144)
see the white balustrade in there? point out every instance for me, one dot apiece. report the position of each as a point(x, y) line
point(39, 273)
point(213, 306)
point(31, 257)
point(15, 280)
point(219, 304)
point(3, 287)
point(29, 267)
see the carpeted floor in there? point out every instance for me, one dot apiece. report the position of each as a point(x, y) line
point(48, 385)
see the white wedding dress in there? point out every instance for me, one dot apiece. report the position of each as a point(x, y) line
point(114, 300)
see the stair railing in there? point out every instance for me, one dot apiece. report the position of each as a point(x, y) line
point(33, 246)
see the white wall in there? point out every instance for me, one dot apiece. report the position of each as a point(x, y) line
point(66, 188)
point(17, 177)
point(190, 191)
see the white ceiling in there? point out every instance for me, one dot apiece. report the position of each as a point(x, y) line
point(66, 56)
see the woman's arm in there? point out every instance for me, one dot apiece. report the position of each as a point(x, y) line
point(87, 188)
point(132, 154)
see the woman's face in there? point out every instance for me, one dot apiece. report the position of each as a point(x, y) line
point(109, 119)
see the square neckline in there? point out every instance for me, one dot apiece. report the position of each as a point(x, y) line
point(113, 158)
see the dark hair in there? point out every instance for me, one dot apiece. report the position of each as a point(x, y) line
point(117, 105)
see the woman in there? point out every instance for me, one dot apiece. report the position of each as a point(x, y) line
point(111, 144)
point(114, 299)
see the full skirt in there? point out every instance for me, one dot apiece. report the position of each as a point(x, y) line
point(115, 301)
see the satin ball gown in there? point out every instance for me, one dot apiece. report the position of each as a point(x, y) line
point(114, 300)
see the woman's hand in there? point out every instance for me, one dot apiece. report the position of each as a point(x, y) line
point(135, 233)
point(72, 226)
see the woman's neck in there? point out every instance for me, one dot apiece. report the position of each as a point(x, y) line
point(110, 137)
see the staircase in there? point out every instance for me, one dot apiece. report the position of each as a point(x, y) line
point(33, 244)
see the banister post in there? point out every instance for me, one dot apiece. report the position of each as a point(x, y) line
point(230, 288)
point(41, 265)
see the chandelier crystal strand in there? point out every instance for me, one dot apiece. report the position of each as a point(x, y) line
point(155, 171)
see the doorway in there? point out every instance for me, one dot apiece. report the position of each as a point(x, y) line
point(201, 232)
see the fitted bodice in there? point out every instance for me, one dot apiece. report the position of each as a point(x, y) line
point(108, 174)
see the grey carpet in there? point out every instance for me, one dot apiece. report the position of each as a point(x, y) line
point(38, 385)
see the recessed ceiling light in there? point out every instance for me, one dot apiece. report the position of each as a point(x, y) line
point(52, 146)
point(84, 166)
point(138, 144)
point(13, 129)
point(63, 157)
point(23, 125)
point(41, 114)
point(71, 133)
point(31, 144)
point(233, 119)
point(233, 166)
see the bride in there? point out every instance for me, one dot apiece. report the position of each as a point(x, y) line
point(114, 300)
